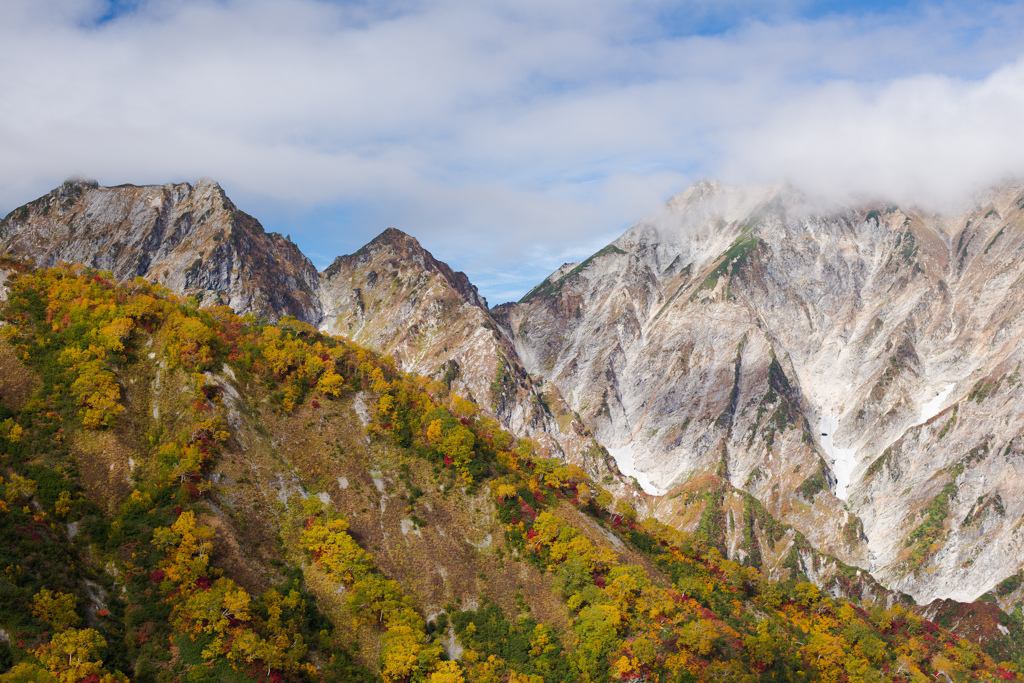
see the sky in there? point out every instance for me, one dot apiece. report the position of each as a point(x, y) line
point(508, 136)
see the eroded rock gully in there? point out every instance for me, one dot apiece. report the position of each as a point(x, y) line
point(855, 369)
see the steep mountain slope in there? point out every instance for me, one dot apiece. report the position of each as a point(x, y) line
point(189, 238)
point(187, 495)
point(394, 297)
point(854, 369)
point(748, 333)
point(391, 296)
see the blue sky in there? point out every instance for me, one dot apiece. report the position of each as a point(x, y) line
point(508, 136)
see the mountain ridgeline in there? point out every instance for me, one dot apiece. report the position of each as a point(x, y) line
point(812, 414)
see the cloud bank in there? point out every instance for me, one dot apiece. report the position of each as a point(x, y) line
point(931, 139)
point(507, 136)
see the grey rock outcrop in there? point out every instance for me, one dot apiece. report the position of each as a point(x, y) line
point(748, 333)
point(856, 369)
point(190, 238)
point(393, 296)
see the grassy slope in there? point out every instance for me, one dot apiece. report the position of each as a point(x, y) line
point(451, 547)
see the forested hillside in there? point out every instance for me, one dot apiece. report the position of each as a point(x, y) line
point(191, 495)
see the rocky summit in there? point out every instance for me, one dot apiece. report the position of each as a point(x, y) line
point(189, 238)
point(853, 370)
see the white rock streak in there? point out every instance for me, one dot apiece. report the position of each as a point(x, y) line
point(845, 459)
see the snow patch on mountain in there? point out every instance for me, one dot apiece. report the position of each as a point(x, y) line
point(625, 460)
point(843, 460)
point(933, 407)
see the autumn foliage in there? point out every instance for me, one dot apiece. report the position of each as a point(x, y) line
point(642, 601)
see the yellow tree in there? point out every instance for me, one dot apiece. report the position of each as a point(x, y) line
point(763, 647)
point(336, 552)
point(98, 393)
point(699, 636)
point(248, 647)
point(188, 548)
point(825, 651)
point(57, 609)
point(11, 430)
point(73, 655)
point(401, 653)
point(189, 342)
point(456, 444)
point(463, 407)
point(447, 672)
point(190, 460)
point(113, 335)
point(19, 488)
point(596, 630)
point(331, 383)
point(286, 647)
point(213, 610)
point(27, 673)
point(626, 585)
point(63, 505)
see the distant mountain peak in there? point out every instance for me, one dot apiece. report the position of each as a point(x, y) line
point(400, 247)
point(206, 182)
point(702, 189)
point(396, 236)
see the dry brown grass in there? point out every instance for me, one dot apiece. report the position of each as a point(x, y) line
point(236, 551)
point(17, 382)
point(103, 461)
point(456, 557)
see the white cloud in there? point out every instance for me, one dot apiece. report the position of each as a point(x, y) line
point(506, 135)
point(928, 139)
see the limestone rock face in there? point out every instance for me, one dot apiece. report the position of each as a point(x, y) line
point(190, 238)
point(393, 296)
point(855, 369)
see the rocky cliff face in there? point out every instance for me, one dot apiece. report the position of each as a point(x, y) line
point(190, 238)
point(393, 296)
point(855, 369)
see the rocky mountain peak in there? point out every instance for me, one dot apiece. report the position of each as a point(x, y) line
point(836, 364)
point(709, 197)
point(397, 239)
point(190, 238)
point(207, 183)
point(855, 369)
point(80, 180)
point(697, 192)
point(394, 250)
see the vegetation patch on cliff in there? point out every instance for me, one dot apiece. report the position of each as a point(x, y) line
point(731, 262)
point(550, 288)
